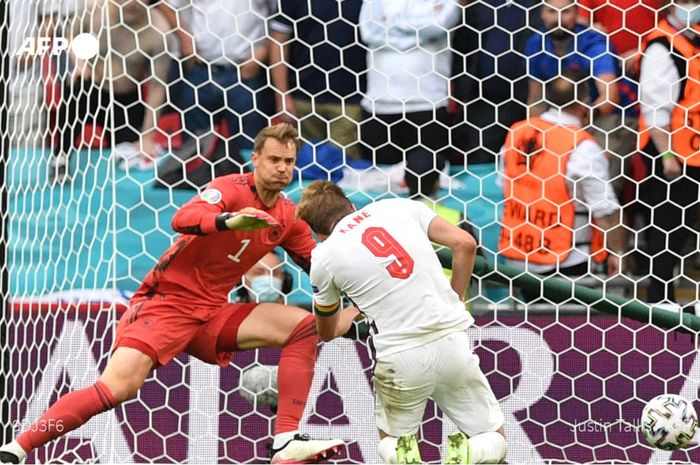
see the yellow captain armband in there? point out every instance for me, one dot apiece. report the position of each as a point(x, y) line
point(326, 310)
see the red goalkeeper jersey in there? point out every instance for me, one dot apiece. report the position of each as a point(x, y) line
point(207, 260)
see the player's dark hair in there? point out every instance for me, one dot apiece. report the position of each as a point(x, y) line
point(282, 132)
point(568, 89)
point(322, 205)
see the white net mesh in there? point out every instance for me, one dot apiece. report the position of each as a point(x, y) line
point(391, 99)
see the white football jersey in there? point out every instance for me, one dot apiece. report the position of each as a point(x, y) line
point(381, 258)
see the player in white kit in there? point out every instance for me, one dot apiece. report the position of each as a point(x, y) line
point(382, 259)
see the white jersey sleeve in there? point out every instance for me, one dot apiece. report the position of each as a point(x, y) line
point(326, 296)
point(423, 214)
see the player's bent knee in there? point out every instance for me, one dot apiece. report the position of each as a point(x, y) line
point(126, 372)
point(124, 389)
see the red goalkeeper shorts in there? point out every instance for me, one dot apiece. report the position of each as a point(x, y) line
point(163, 329)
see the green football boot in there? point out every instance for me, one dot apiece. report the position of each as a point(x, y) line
point(458, 448)
point(407, 449)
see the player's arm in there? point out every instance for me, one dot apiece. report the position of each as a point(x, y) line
point(185, 37)
point(279, 49)
point(299, 243)
point(606, 73)
point(331, 321)
point(608, 94)
point(337, 324)
point(327, 319)
point(659, 91)
point(214, 210)
point(463, 246)
point(535, 102)
point(589, 169)
point(614, 240)
point(534, 98)
point(159, 64)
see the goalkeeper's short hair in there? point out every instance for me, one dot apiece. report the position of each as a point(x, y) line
point(284, 133)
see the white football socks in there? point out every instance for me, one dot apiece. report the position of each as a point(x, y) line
point(487, 448)
point(387, 449)
point(15, 448)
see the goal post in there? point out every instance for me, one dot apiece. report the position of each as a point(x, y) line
point(4, 295)
point(572, 371)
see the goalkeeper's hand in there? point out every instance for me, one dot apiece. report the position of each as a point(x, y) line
point(249, 219)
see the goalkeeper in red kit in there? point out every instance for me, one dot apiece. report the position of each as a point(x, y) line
point(182, 305)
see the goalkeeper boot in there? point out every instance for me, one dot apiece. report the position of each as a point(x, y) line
point(407, 449)
point(302, 449)
point(12, 453)
point(458, 448)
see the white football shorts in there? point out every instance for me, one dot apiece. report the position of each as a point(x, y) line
point(445, 370)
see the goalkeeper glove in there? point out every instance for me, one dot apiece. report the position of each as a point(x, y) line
point(249, 219)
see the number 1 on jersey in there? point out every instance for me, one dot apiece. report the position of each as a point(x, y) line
point(382, 244)
point(237, 258)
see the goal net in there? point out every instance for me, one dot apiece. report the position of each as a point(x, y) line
point(118, 111)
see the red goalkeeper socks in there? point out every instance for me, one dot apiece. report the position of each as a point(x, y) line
point(295, 374)
point(68, 413)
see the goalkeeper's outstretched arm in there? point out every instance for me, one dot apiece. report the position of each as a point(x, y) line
point(217, 208)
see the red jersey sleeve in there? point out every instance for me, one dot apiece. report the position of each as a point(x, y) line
point(585, 10)
point(206, 213)
point(299, 244)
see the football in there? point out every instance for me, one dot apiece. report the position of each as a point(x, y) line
point(669, 422)
point(259, 382)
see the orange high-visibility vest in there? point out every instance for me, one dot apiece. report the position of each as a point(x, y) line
point(685, 117)
point(538, 215)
